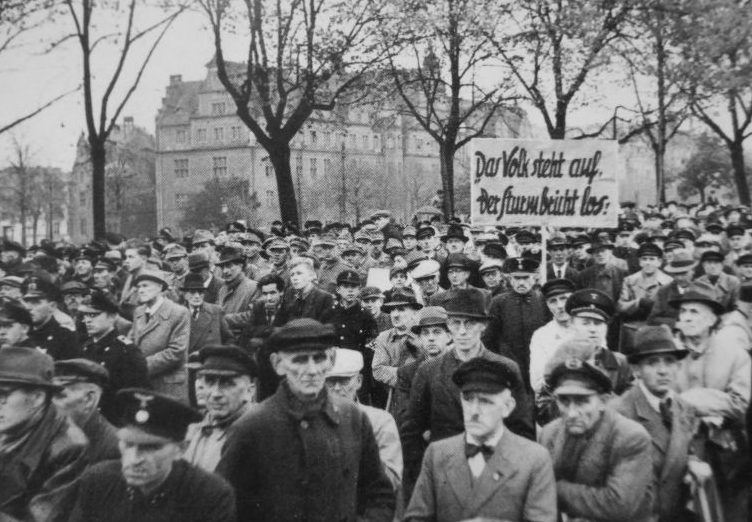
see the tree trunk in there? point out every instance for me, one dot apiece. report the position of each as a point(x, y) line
point(559, 131)
point(288, 206)
point(447, 179)
point(35, 225)
point(660, 176)
point(98, 155)
point(740, 176)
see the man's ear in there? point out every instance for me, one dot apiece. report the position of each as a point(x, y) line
point(277, 363)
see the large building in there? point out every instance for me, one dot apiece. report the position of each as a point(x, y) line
point(352, 159)
point(129, 185)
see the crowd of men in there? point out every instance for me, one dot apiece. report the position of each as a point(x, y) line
point(381, 372)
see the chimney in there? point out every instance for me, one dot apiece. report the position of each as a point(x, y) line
point(176, 79)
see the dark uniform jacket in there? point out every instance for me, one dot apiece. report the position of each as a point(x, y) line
point(125, 363)
point(607, 279)
point(316, 304)
point(435, 406)
point(56, 341)
point(321, 465)
point(188, 494)
point(604, 475)
point(670, 448)
point(355, 329)
point(38, 470)
point(514, 319)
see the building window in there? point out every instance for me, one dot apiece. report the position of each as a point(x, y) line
point(268, 169)
point(219, 165)
point(375, 142)
point(181, 200)
point(56, 228)
point(180, 136)
point(201, 135)
point(181, 168)
point(365, 142)
point(314, 168)
point(299, 166)
point(271, 198)
point(390, 142)
point(219, 134)
point(327, 138)
point(327, 167)
point(313, 137)
point(82, 198)
point(236, 133)
point(218, 108)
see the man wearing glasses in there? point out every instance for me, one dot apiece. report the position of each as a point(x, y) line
point(119, 355)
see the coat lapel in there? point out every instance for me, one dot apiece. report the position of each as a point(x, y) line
point(160, 315)
point(684, 427)
point(651, 420)
point(458, 473)
point(201, 326)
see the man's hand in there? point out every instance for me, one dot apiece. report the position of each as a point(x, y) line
point(698, 471)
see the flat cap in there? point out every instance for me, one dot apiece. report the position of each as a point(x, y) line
point(426, 268)
point(568, 372)
point(74, 287)
point(348, 277)
point(155, 414)
point(228, 359)
point(371, 292)
point(491, 264)
point(486, 376)
point(431, 316)
point(554, 287)
point(425, 232)
point(649, 250)
point(14, 312)
point(303, 335)
point(202, 236)
point(347, 363)
point(712, 256)
point(458, 261)
point(175, 251)
point(70, 371)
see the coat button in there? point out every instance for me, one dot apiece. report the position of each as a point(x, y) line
point(304, 424)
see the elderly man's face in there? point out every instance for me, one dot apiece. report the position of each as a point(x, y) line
point(522, 282)
point(344, 386)
point(466, 332)
point(695, 319)
point(580, 412)
point(492, 277)
point(402, 316)
point(602, 256)
point(18, 405)
point(484, 413)
point(77, 400)
point(146, 465)
point(454, 245)
point(148, 290)
point(304, 371)
point(73, 301)
point(225, 395)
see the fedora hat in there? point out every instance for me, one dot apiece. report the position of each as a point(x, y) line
point(466, 302)
point(27, 366)
point(699, 294)
point(681, 262)
point(402, 297)
point(193, 282)
point(654, 340)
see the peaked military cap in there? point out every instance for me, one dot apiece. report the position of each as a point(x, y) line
point(155, 414)
point(458, 261)
point(98, 302)
point(649, 249)
point(521, 264)
point(226, 360)
point(711, 255)
point(348, 277)
point(590, 302)
point(74, 288)
point(554, 287)
point(70, 371)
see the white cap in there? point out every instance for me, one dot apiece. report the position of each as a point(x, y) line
point(491, 263)
point(425, 268)
point(346, 363)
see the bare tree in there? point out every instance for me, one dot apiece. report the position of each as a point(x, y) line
point(552, 47)
point(18, 185)
point(302, 56)
point(440, 45)
point(102, 111)
point(17, 19)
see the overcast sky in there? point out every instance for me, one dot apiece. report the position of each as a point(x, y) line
point(30, 77)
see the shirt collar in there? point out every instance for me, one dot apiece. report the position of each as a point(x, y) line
point(653, 400)
point(492, 441)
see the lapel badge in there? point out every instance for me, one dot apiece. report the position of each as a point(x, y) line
point(496, 476)
point(573, 363)
point(142, 415)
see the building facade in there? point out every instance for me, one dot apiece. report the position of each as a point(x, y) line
point(344, 163)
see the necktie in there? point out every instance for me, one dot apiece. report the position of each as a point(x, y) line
point(472, 450)
point(195, 313)
point(666, 416)
point(148, 316)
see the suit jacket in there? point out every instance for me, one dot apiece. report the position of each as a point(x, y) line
point(164, 342)
point(607, 279)
point(235, 299)
point(670, 447)
point(210, 327)
point(516, 484)
point(569, 272)
point(638, 295)
point(317, 304)
point(613, 476)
